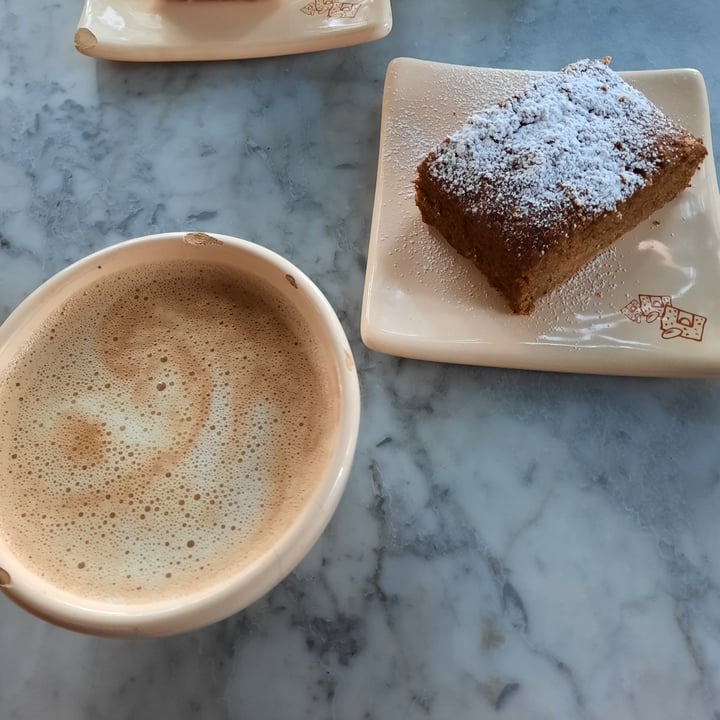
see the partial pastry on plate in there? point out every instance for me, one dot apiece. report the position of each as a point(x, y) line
point(535, 187)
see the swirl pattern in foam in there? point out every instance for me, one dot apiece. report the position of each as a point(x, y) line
point(160, 431)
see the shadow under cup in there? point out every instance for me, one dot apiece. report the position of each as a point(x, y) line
point(232, 590)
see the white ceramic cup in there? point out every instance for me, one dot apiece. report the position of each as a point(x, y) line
point(232, 594)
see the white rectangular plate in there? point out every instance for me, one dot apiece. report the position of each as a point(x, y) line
point(648, 306)
point(163, 30)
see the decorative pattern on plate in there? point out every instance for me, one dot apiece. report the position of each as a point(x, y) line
point(674, 321)
point(333, 9)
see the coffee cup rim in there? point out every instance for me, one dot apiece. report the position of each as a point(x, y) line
point(235, 593)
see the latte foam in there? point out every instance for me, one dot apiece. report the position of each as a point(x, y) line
point(161, 430)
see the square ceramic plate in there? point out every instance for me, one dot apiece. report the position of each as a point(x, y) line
point(647, 306)
point(149, 30)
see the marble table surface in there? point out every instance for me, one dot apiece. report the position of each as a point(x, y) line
point(511, 544)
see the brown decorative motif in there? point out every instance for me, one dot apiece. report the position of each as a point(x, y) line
point(680, 323)
point(332, 9)
point(652, 306)
point(632, 311)
point(674, 322)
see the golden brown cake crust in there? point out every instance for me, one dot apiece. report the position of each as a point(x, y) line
point(534, 188)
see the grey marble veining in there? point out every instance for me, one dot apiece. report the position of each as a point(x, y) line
point(511, 544)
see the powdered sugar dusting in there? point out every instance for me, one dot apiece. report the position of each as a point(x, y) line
point(415, 257)
point(583, 297)
point(578, 139)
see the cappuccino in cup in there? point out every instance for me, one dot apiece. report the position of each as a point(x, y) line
point(163, 431)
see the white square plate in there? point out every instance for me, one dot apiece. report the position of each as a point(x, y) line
point(648, 306)
point(163, 30)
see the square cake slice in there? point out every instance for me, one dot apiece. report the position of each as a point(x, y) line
point(535, 187)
